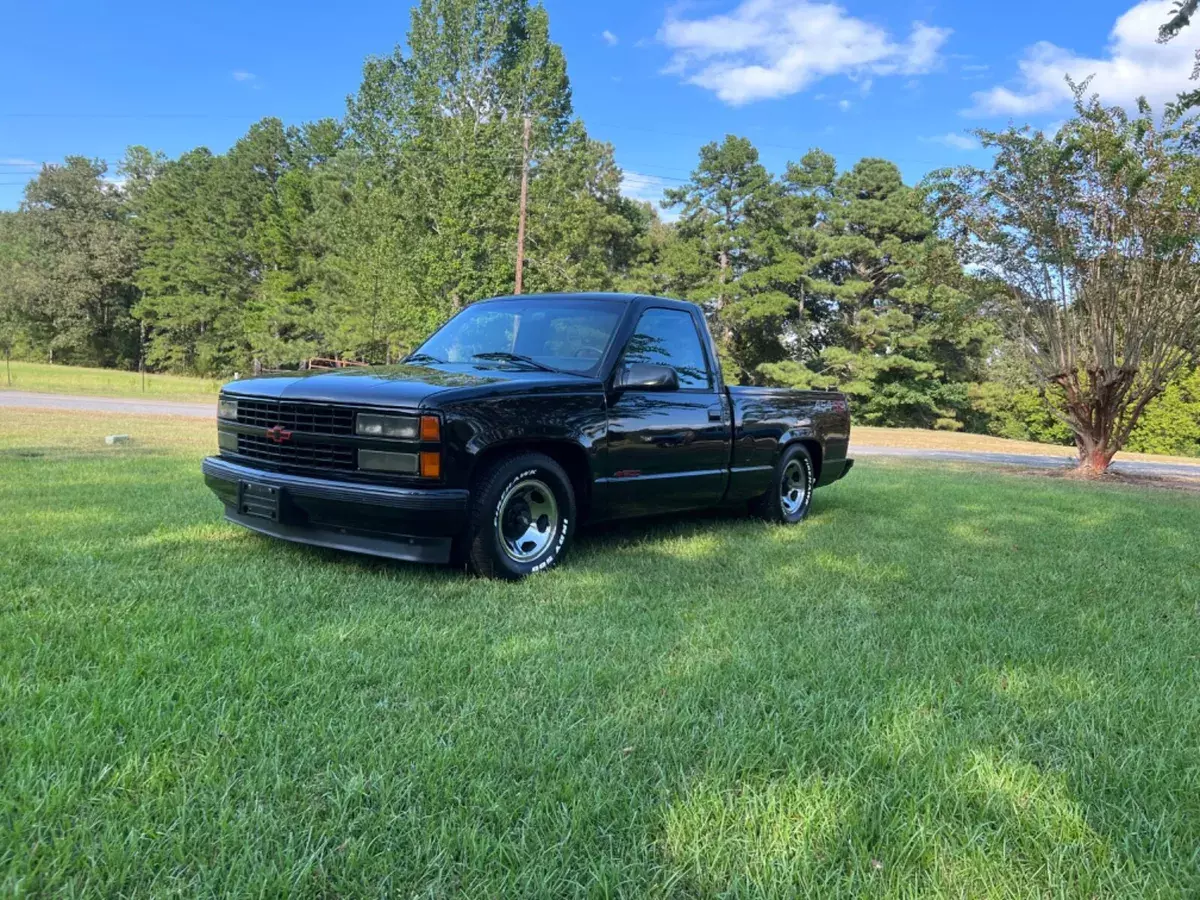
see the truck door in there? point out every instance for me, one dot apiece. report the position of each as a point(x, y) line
point(668, 449)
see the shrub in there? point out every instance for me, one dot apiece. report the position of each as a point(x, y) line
point(1171, 423)
point(1018, 413)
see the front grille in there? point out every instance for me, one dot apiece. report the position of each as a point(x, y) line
point(306, 418)
point(321, 456)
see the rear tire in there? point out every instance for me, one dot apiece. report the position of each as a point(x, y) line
point(789, 498)
point(522, 517)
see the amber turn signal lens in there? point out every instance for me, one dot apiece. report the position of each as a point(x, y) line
point(431, 465)
point(431, 429)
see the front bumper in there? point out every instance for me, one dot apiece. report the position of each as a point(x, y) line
point(413, 524)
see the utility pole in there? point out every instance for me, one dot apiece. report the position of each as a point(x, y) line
point(142, 355)
point(524, 203)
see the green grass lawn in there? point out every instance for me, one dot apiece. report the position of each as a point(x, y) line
point(27, 376)
point(946, 683)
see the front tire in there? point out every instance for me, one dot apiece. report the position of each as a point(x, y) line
point(789, 498)
point(522, 517)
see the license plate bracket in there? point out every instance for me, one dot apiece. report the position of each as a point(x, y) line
point(263, 501)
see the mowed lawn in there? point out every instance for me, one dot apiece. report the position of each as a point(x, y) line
point(946, 683)
point(44, 378)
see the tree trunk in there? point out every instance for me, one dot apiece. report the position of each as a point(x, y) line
point(1095, 454)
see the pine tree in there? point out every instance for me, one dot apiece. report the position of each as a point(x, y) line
point(228, 260)
point(729, 197)
point(888, 316)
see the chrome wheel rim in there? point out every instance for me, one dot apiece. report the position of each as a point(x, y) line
point(528, 520)
point(793, 492)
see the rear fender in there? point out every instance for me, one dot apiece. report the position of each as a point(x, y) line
point(804, 434)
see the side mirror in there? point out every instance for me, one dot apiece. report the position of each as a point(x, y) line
point(646, 377)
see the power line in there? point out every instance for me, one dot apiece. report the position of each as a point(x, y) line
point(638, 172)
point(653, 181)
point(90, 115)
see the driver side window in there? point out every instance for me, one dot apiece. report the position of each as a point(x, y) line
point(667, 337)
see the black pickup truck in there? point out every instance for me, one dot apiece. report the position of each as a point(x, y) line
point(520, 419)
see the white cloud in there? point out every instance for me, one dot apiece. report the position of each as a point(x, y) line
point(921, 52)
point(241, 75)
point(955, 140)
point(843, 105)
point(1133, 65)
point(773, 48)
point(609, 37)
point(14, 161)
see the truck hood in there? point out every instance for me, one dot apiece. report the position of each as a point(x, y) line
point(400, 385)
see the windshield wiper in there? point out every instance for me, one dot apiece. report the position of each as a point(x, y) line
point(515, 357)
point(422, 357)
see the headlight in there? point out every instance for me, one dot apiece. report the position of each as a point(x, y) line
point(400, 427)
point(227, 408)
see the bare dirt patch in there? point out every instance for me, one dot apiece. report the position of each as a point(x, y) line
point(1160, 482)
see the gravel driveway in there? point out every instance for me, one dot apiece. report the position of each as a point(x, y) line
point(31, 400)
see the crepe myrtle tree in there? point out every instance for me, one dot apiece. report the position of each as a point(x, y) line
point(1093, 238)
point(1181, 16)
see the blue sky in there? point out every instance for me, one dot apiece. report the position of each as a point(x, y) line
point(906, 81)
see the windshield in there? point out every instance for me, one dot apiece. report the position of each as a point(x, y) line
point(569, 335)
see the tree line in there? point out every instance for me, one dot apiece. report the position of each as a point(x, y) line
point(355, 237)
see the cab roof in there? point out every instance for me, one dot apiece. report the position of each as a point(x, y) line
point(648, 299)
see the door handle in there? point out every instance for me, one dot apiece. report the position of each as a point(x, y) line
point(716, 414)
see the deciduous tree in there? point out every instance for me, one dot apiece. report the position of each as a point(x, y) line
point(439, 125)
point(1094, 233)
point(75, 279)
point(1181, 17)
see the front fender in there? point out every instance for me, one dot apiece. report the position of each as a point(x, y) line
point(476, 430)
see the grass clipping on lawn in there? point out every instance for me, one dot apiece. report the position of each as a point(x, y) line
point(945, 683)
